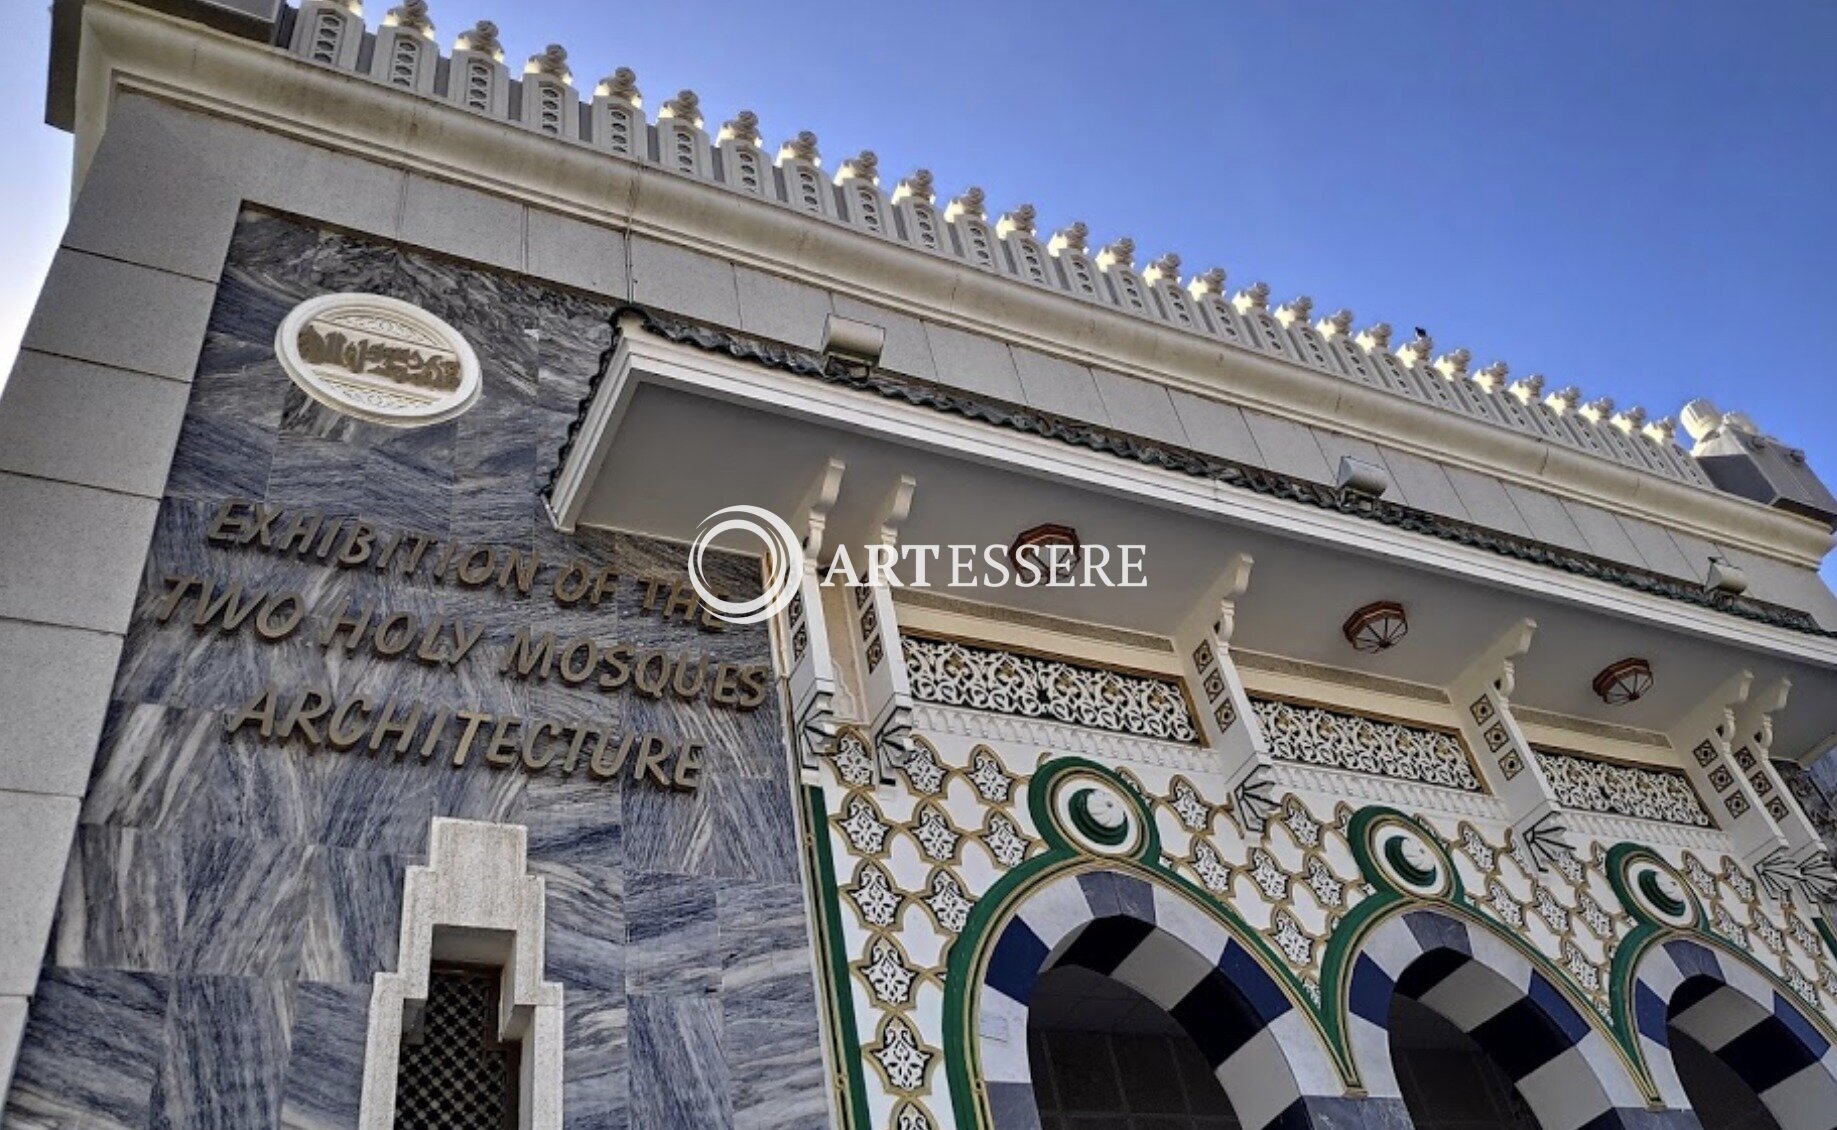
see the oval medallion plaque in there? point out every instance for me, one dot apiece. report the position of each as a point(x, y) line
point(378, 359)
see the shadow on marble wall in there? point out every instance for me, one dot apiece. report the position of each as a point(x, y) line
point(228, 902)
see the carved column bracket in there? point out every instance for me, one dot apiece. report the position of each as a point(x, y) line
point(886, 694)
point(1221, 704)
point(1803, 863)
point(814, 683)
point(1724, 742)
point(1483, 701)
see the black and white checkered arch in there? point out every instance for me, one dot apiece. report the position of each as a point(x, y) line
point(1730, 1008)
point(1265, 1051)
point(1563, 1064)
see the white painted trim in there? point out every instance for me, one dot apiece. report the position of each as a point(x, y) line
point(131, 48)
point(599, 423)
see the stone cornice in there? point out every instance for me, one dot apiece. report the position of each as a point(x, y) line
point(1181, 460)
point(128, 48)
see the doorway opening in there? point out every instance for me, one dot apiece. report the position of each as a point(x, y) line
point(1449, 1082)
point(1105, 1057)
point(1720, 1096)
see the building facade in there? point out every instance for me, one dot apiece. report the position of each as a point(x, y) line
point(382, 741)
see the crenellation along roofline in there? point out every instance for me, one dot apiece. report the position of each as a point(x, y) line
point(1238, 351)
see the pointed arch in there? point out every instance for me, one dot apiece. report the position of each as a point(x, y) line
point(1263, 1045)
point(1559, 1055)
point(1725, 1002)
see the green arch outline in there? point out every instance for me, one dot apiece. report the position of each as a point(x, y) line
point(970, 952)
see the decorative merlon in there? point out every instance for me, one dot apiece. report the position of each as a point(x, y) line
point(864, 165)
point(801, 148)
point(412, 15)
point(622, 84)
point(483, 38)
point(918, 187)
point(1118, 254)
point(686, 107)
point(743, 128)
point(1073, 238)
point(553, 62)
point(1020, 220)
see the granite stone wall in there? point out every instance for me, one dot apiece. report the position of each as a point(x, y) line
point(228, 901)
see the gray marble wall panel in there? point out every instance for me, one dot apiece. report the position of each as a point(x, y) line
point(229, 902)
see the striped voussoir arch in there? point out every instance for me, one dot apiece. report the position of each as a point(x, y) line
point(1150, 937)
point(1564, 1066)
point(1729, 1007)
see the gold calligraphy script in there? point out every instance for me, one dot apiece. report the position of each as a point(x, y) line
point(372, 346)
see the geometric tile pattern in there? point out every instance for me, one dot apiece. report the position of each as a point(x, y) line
point(1375, 747)
point(914, 860)
point(911, 861)
point(1293, 883)
point(1009, 682)
point(1589, 784)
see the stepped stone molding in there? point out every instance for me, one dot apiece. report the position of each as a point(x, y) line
point(1607, 828)
point(1183, 460)
point(1531, 716)
point(1100, 633)
point(1360, 680)
point(1590, 784)
point(473, 901)
point(613, 121)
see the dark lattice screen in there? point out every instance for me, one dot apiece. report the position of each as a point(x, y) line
point(454, 1073)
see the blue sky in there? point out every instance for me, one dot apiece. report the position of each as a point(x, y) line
point(1631, 197)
